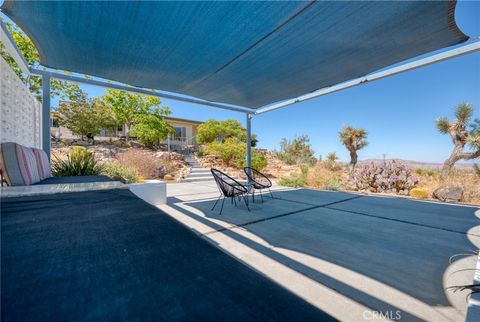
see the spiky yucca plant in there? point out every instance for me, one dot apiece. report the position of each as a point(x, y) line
point(79, 162)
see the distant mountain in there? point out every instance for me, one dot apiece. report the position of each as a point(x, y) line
point(416, 164)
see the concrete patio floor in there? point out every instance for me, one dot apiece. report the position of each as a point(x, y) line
point(355, 257)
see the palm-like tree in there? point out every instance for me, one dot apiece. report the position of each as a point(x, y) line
point(466, 142)
point(354, 139)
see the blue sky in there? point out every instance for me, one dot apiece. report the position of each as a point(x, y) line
point(398, 112)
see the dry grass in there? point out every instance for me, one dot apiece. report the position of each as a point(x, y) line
point(467, 179)
point(324, 176)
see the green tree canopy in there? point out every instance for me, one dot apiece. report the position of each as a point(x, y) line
point(63, 89)
point(150, 128)
point(86, 116)
point(213, 130)
point(128, 108)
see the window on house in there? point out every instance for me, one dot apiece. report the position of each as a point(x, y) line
point(180, 133)
point(55, 123)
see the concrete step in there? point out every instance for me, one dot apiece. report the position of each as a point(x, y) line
point(199, 179)
point(199, 175)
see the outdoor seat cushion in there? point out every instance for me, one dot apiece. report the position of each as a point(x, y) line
point(74, 179)
point(18, 164)
point(43, 164)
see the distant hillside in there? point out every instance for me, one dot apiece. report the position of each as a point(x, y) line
point(417, 164)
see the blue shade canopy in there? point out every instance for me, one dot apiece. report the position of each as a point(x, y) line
point(242, 53)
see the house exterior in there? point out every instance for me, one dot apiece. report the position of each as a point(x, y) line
point(185, 132)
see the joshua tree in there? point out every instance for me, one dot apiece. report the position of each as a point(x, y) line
point(354, 140)
point(466, 142)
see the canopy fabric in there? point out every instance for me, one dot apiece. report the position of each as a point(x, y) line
point(242, 53)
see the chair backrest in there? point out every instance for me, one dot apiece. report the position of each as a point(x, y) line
point(227, 185)
point(259, 180)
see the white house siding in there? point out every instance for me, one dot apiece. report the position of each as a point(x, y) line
point(20, 115)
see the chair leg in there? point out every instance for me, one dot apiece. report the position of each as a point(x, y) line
point(235, 201)
point(253, 195)
point(246, 202)
point(216, 203)
point(271, 194)
point(221, 209)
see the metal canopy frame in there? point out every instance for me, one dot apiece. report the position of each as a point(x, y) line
point(461, 50)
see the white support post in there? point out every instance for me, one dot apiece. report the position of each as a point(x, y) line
point(249, 142)
point(46, 114)
point(168, 143)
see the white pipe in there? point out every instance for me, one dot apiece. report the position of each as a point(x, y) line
point(101, 83)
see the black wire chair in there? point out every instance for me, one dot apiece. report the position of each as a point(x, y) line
point(229, 188)
point(259, 181)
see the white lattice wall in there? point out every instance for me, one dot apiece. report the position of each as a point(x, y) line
point(20, 116)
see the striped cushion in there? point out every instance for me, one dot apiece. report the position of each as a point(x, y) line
point(19, 165)
point(42, 163)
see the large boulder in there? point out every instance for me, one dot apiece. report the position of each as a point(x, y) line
point(449, 193)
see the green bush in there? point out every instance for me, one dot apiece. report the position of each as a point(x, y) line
point(79, 162)
point(294, 181)
point(200, 152)
point(259, 161)
point(333, 183)
point(232, 152)
point(118, 172)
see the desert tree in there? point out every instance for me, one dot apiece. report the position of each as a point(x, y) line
point(84, 117)
point(297, 151)
point(354, 139)
point(465, 136)
point(130, 108)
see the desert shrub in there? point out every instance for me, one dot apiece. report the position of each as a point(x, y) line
point(419, 193)
point(296, 181)
point(228, 151)
point(322, 177)
point(296, 151)
point(232, 153)
point(259, 161)
point(333, 184)
point(200, 153)
point(119, 172)
point(331, 162)
point(146, 164)
point(121, 144)
point(391, 176)
point(427, 172)
point(293, 181)
point(79, 162)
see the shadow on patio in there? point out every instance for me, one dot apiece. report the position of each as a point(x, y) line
point(385, 254)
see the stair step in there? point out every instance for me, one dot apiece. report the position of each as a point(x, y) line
point(199, 175)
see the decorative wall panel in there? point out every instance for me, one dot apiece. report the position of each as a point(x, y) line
point(20, 111)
